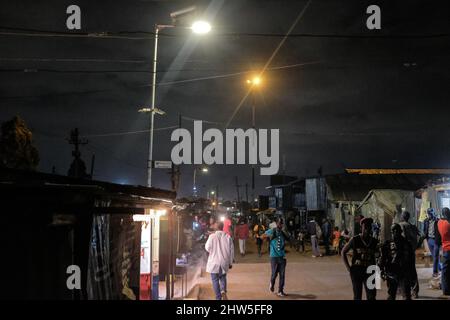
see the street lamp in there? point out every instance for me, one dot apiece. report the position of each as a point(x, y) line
point(198, 27)
point(254, 82)
point(201, 27)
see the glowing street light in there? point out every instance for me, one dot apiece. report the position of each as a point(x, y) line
point(255, 81)
point(201, 27)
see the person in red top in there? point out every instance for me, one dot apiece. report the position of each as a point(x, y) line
point(228, 225)
point(444, 231)
point(242, 234)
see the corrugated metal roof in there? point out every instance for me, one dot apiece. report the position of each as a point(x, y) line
point(28, 179)
point(354, 186)
point(399, 171)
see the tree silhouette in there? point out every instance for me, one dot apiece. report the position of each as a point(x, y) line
point(16, 146)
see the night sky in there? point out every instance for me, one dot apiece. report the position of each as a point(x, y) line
point(345, 96)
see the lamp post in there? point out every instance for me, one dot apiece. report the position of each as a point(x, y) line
point(198, 27)
point(254, 83)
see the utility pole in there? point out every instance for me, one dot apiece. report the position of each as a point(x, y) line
point(217, 194)
point(246, 192)
point(175, 178)
point(254, 141)
point(175, 170)
point(92, 166)
point(77, 168)
point(237, 191)
point(77, 142)
point(152, 111)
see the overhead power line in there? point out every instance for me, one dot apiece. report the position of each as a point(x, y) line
point(35, 70)
point(219, 76)
point(149, 35)
point(125, 133)
point(75, 60)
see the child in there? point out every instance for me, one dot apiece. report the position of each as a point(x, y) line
point(336, 238)
point(258, 232)
point(301, 240)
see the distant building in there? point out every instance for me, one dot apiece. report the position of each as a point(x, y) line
point(341, 197)
point(287, 197)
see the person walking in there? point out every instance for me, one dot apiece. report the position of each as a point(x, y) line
point(444, 232)
point(301, 239)
point(376, 228)
point(344, 239)
point(365, 250)
point(272, 225)
point(432, 236)
point(291, 227)
point(315, 233)
point(228, 225)
point(221, 255)
point(258, 232)
point(326, 234)
point(241, 234)
point(278, 238)
point(412, 234)
point(396, 263)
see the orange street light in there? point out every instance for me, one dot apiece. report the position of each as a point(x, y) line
point(255, 81)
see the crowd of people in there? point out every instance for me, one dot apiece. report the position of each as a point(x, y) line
point(395, 259)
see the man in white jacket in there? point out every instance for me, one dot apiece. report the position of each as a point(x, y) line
point(221, 255)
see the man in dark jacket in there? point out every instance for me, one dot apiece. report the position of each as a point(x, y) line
point(432, 236)
point(412, 234)
point(313, 229)
point(365, 252)
point(396, 263)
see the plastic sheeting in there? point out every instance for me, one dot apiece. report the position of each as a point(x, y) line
point(343, 214)
point(386, 206)
point(114, 258)
point(429, 200)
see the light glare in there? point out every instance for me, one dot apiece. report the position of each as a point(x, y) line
point(201, 27)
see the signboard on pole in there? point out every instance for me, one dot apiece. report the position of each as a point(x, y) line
point(162, 164)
